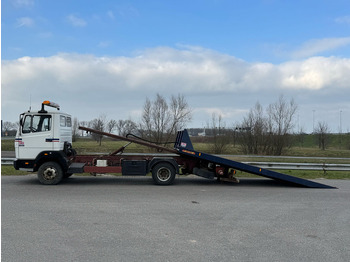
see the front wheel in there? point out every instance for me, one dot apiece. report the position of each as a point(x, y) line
point(163, 174)
point(50, 173)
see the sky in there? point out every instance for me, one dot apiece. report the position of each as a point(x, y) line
point(105, 57)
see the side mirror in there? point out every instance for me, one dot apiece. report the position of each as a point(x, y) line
point(21, 117)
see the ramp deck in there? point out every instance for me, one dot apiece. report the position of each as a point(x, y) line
point(184, 147)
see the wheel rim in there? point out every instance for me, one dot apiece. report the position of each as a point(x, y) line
point(50, 173)
point(163, 174)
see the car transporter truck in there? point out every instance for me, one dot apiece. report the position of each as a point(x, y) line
point(43, 144)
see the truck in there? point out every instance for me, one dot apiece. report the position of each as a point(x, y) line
point(43, 144)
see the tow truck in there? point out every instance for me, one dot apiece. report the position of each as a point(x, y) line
point(43, 144)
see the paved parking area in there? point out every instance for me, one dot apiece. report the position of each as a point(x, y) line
point(130, 219)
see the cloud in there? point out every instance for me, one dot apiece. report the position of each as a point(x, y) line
point(25, 22)
point(217, 111)
point(127, 11)
point(316, 73)
point(76, 21)
point(22, 3)
point(110, 14)
point(104, 44)
point(343, 20)
point(45, 35)
point(183, 70)
point(317, 46)
point(88, 85)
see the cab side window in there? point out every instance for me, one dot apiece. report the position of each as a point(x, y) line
point(27, 124)
point(62, 121)
point(69, 121)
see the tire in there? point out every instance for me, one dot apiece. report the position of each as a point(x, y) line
point(50, 173)
point(163, 174)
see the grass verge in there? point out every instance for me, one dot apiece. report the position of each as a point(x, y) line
point(10, 171)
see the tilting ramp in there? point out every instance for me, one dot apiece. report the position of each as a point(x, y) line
point(184, 146)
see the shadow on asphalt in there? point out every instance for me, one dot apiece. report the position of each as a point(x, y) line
point(142, 181)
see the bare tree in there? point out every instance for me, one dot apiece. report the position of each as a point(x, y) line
point(161, 120)
point(253, 131)
point(111, 125)
point(220, 139)
point(160, 116)
point(270, 133)
point(301, 136)
point(281, 115)
point(322, 131)
point(75, 129)
point(100, 125)
point(8, 128)
point(180, 113)
point(85, 124)
point(146, 121)
point(125, 127)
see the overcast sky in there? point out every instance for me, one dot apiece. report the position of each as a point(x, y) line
point(106, 57)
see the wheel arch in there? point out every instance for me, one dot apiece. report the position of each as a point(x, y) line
point(159, 160)
point(51, 156)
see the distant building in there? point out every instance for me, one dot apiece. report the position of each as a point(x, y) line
point(202, 133)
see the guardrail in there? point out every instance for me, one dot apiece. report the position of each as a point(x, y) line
point(7, 161)
point(301, 166)
point(268, 165)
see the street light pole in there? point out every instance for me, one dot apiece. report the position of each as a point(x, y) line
point(313, 121)
point(340, 127)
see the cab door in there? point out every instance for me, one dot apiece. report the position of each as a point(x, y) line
point(36, 136)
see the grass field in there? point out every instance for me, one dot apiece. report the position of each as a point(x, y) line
point(307, 148)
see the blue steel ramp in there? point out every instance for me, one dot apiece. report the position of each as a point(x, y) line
point(184, 146)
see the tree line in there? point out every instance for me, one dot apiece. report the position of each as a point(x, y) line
point(269, 131)
point(263, 131)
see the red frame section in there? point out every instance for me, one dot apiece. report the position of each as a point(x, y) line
point(114, 162)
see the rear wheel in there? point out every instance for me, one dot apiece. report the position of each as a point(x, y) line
point(163, 174)
point(50, 173)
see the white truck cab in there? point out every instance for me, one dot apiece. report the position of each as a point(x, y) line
point(42, 134)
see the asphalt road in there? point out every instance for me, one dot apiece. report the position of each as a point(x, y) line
point(130, 219)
